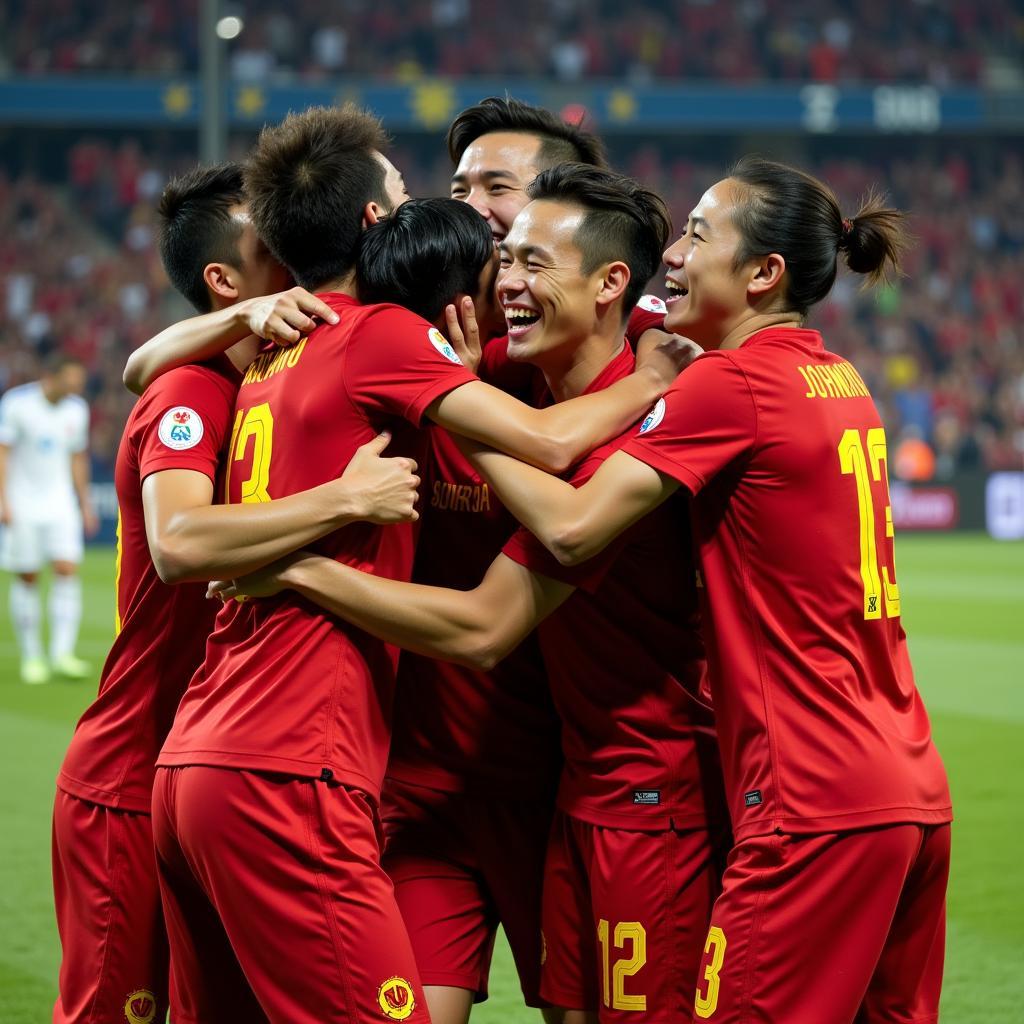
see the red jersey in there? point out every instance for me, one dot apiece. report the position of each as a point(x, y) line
point(287, 687)
point(625, 662)
point(455, 728)
point(820, 724)
point(181, 422)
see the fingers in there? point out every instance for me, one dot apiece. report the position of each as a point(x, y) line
point(377, 444)
point(451, 319)
point(469, 315)
point(313, 306)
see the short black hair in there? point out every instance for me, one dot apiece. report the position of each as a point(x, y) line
point(424, 255)
point(623, 221)
point(196, 227)
point(54, 360)
point(559, 142)
point(308, 180)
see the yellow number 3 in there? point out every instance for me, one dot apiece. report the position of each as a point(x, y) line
point(257, 423)
point(852, 459)
point(705, 1005)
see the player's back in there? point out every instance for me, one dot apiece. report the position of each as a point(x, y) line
point(161, 630)
point(285, 686)
point(821, 722)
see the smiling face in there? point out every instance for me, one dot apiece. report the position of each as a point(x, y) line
point(493, 174)
point(549, 303)
point(707, 294)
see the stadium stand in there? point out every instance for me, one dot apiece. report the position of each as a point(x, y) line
point(936, 41)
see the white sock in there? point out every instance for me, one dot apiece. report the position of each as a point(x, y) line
point(65, 615)
point(26, 613)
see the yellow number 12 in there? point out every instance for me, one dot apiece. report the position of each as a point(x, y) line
point(879, 587)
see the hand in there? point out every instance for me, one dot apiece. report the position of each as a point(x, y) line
point(665, 355)
point(384, 490)
point(464, 336)
point(265, 582)
point(286, 317)
point(90, 521)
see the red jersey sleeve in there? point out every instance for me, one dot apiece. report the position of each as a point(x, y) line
point(706, 420)
point(186, 419)
point(648, 314)
point(400, 364)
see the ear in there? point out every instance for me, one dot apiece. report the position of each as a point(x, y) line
point(613, 283)
point(222, 280)
point(767, 274)
point(372, 212)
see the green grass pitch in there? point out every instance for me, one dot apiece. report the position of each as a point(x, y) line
point(964, 611)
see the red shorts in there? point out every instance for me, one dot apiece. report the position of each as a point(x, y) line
point(829, 929)
point(462, 864)
point(277, 908)
point(624, 917)
point(114, 948)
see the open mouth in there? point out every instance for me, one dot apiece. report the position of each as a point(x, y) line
point(675, 291)
point(520, 320)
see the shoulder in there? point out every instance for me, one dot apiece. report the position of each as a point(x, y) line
point(21, 394)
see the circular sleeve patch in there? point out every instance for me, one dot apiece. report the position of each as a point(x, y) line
point(443, 345)
point(654, 417)
point(181, 428)
point(652, 304)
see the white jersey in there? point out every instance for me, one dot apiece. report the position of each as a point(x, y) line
point(42, 437)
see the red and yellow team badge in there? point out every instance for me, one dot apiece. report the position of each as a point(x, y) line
point(140, 1007)
point(396, 999)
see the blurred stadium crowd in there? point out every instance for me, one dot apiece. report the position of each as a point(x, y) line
point(936, 41)
point(942, 348)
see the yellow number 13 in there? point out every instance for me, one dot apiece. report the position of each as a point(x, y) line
point(854, 459)
point(257, 423)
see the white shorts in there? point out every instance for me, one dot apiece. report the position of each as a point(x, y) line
point(29, 544)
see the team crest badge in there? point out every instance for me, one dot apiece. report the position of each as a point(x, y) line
point(396, 999)
point(652, 304)
point(140, 1007)
point(654, 417)
point(181, 428)
point(443, 345)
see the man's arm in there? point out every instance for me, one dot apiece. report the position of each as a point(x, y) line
point(192, 539)
point(574, 524)
point(5, 509)
point(282, 318)
point(80, 474)
point(475, 627)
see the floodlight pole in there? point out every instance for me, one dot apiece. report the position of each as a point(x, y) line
point(212, 124)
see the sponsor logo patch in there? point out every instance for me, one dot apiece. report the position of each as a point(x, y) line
point(140, 1007)
point(654, 417)
point(652, 304)
point(443, 345)
point(753, 798)
point(396, 999)
point(181, 428)
point(650, 797)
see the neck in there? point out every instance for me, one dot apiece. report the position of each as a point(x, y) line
point(50, 393)
point(346, 284)
point(755, 322)
point(570, 377)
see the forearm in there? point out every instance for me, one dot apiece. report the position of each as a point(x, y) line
point(432, 621)
point(226, 541)
point(80, 475)
point(550, 508)
point(569, 430)
point(190, 341)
